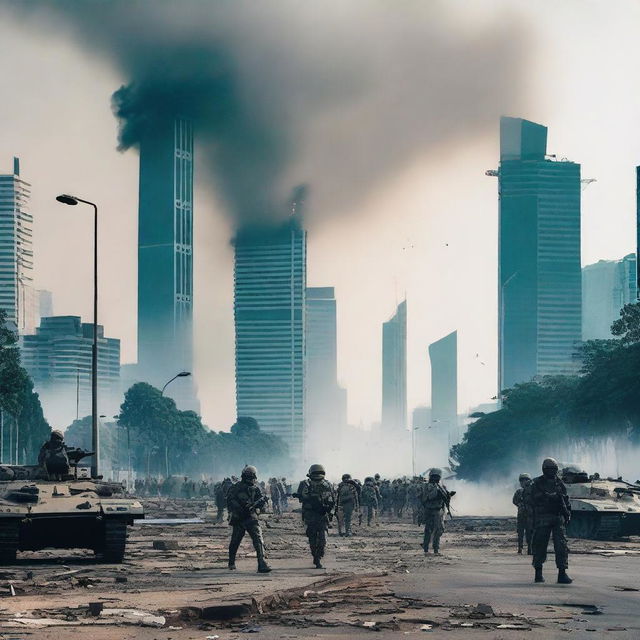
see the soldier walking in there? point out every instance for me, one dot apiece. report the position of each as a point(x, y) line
point(369, 498)
point(524, 518)
point(318, 500)
point(435, 498)
point(551, 514)
point(244, 500)
point(276, 496)
point(347, 503)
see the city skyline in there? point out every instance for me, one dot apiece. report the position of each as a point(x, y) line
point(426, 209)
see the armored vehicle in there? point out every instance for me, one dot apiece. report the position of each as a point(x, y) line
point(72, 512)
point(601, 508)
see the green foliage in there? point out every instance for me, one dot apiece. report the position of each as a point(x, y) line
point(78, 434)
point(166, 441)
point(24, 425)
point(603, 401)
point(627, 327)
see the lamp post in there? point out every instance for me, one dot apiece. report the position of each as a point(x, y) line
point(182, 374)
point(74, 200)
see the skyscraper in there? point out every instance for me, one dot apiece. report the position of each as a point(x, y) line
point(607, 286)
point(17, 295)
point(165, 259)
point(269, 308)
point(394, 371)
point(443, 355)
point(325, 406)
point(539, 280)
point(58, 358)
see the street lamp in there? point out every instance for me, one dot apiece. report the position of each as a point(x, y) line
point(74, 200)
point(182, 374)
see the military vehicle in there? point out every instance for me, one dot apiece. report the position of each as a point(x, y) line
point(72, 512)
point(601, 508)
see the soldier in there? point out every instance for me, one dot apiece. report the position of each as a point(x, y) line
point(285, 491)
point(204, 490)
point(551, 513)
point(399, 498)
point(435, 498)
point(524, 523)
point(53, 456)
point(386, 493)
point(348, 502)
point(276, 496)
point(318, 499)
point(369, 499)
point(220, 492)
point(244, 500)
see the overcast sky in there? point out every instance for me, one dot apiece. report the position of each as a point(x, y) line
point(428, 230)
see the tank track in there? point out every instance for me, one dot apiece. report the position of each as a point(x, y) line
point(115, 540)
point(9, 540)
point(609, 527)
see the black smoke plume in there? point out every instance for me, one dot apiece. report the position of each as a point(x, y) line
point(342, 94)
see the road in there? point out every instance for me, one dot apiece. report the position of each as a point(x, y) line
point(378, 581)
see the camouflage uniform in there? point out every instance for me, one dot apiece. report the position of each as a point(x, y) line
point(524, 516)
point(276, 496)
point(369, 499)
point(399, 498)
point(318, 499)
point(347, 503)
point(220, 492)
point(551, 512)
point(434, 497)
point(386, 493)
point(244, 499)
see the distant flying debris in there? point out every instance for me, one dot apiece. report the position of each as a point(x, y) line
point(493, 173)
point(585, 182)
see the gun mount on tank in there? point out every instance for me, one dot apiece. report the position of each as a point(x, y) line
point(601, 508)
point(37, 512)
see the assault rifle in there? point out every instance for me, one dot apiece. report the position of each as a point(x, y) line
point(446, 497)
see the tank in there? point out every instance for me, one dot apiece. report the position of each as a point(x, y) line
point(74, 512)
point(601, 508)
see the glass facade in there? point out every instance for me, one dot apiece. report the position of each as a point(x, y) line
point(394, 371)
point(607, 286)
point(165, 259)
point(17, 295)
point(539, 286)
point(269, 305)
point(58, 358)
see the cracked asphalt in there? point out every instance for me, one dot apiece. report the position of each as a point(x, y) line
point(379, 582)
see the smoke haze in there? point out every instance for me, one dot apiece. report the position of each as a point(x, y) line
point(343, 95)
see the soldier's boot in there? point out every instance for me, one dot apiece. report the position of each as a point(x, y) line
point(232, 561)
point(563, 578)
point(317, 563)
point(539, 577)
point(263, 567)
point(520, 550)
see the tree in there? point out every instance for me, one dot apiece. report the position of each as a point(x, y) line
point(627, 327)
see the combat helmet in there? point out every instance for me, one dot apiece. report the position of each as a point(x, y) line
point(549, 463)
point(346, 476)
point(249, 473)
point(316, 470)
point(524, 476)
point(435, 472)
point(57, 434)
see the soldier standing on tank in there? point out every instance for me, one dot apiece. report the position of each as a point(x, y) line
point(53, 456)
point(551, 513)
point(244, 501)
point(524, 518)
point(347, 503)
point(435, 499)
point(318, 500)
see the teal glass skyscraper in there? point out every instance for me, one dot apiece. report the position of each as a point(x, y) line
point(165, 259)
point(539, 281)
point(270, 281)
point(394, 371)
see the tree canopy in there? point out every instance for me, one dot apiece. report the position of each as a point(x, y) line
point(602, 401)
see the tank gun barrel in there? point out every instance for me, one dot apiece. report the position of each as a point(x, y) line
point(75, 455)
